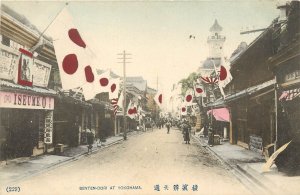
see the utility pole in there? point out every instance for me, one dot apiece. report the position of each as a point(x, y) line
point(124, 57)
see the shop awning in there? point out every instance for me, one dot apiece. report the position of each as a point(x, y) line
point(220, 114)
point(243, 93)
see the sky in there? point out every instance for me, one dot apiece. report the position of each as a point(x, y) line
point(155, 33)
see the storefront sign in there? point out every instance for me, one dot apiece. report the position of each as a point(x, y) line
point(25, 68)
point(48, 127)
point(41, 73)
point(292, 76)
point(9, 59)
point(25, 101)
point(15, 66)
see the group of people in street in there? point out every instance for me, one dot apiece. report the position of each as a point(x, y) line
point(184, 126)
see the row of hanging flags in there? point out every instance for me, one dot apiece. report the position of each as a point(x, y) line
point(221, 78)
point(76, 69)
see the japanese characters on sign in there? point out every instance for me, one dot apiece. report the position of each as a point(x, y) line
point(8, 62)
point(48, 127)
point(41, 73)
point(15, 66)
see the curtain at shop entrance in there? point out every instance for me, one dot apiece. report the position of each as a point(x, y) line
point(22, 129)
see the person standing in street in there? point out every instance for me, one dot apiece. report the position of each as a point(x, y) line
point(168, 125)
point(186, 128)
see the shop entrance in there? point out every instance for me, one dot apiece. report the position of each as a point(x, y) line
point(22, 131)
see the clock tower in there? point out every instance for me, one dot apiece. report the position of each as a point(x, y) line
point(215, 41)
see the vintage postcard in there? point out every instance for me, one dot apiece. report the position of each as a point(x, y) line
point(150, 97)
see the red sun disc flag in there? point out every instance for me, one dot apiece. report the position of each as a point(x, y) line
point(88, 88)
point(102, 82)
point(76, 38)
point(198, 89)
point(189, 97)
point(224, 75)
point(70, 64)
point(89, 75)
point(71, 55)
point(158, 98)
point(114, 88)
point(131, 110)
point(183, 110)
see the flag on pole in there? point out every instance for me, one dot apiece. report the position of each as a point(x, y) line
point(198, 90)
point(102, 82)
point(182, 108)
point(158, 98)
point(131, 110)
point(209, 79)
point(225, 76)
point(189, 96)
point(70, 50)
point(88, 89)
point(114, 88)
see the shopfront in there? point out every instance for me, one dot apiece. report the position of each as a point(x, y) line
point(26, 123)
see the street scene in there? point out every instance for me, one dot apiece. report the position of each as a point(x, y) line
point(150, 97)
point(154, 161)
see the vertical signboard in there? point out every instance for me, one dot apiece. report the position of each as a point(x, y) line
point(25, 68)
point(8, 62)
point(48, 127)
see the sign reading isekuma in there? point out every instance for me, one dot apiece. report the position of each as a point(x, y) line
point(25, 101)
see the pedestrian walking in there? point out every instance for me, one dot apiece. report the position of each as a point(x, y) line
point(90, 140)
point(168, 125)
point(186, 128)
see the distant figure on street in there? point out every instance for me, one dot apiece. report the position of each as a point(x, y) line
point(168, 125)
point(90, 140)
point(186, 128)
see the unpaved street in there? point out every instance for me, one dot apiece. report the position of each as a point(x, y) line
point(148, 161)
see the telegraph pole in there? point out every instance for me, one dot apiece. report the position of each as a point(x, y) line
point(124, 57)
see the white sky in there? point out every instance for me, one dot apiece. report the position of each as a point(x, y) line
point(155, 33)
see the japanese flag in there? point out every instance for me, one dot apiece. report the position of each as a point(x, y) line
point(70, 50)
point(189, 96)
point(102, 82)
point(114, 87)
point(158, 98)
point(225, 75)
point(198, 90)
point(183, 110)
point(131, 110)
point(88, 89)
